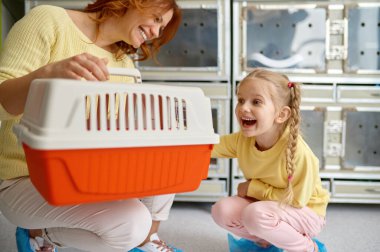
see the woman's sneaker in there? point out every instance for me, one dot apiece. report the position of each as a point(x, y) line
point(155, 245)
point(27, 244)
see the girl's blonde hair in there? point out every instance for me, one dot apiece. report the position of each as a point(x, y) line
point(285, 93)
point(117, 8)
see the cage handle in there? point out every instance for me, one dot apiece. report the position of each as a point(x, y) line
point(122, 71)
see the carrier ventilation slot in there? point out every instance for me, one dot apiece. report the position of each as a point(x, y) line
point(134, 112)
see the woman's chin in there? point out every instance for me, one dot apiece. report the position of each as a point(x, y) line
point(137, 44)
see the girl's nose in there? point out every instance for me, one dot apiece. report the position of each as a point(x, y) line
point(244, 107)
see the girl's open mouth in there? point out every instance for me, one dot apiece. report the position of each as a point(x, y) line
point(248, 121)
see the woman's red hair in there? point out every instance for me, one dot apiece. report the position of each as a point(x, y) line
point(117, 8)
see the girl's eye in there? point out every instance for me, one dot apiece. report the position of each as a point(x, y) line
point(256, 102)
point(240, 101)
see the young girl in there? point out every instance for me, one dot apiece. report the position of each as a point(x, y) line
point(282, 202)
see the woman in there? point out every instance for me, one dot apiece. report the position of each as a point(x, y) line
point(51, 42)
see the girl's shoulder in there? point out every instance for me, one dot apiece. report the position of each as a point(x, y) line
point(304, 150)
point(302, 143)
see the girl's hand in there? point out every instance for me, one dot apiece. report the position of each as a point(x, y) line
point(242, 189)
point(81, 66)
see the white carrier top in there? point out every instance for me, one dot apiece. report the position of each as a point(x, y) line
point(73, 114)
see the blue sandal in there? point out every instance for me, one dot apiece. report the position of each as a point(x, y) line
point(27, 244)
point(22, 240)
point(321, 246)
point(244, 245)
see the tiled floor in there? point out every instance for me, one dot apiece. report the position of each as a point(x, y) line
point(190, 227)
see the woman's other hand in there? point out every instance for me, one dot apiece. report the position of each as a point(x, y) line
point(81, 66)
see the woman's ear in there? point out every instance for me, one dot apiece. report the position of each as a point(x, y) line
point(283, 115)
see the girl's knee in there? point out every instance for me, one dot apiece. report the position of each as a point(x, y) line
point(220, 209)
point(225, 210)
point(257, 217)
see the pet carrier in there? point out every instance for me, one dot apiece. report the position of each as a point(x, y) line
point(88, 141)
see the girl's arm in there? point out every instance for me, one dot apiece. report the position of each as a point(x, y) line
point(227, 147)
point(304, 182)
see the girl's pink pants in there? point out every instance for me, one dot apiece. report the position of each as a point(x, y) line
point(285, 227)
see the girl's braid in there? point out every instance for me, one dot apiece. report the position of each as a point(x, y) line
point(294, 127)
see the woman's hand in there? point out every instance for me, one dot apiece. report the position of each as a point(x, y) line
point(242, 189)
point(81, 66)
point(13, 92)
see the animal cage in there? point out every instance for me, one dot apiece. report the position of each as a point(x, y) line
point(299, 45)
point(200, 49)
point(95, 141)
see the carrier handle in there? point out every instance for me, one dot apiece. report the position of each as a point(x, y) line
point(122, 71)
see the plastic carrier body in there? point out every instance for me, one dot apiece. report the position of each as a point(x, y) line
point(97, 141)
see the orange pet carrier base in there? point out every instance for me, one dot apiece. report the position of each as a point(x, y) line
point(65, 177)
